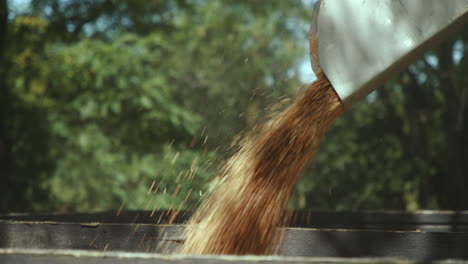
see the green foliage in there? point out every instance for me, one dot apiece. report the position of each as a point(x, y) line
point(102, 101)
point(119, 111)
point(101, 160)
point(25, 161)
point(401, 148)
point(363, 167)
point(239, 57)
point(113, 176)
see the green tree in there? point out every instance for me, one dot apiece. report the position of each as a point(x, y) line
point(5, 148)
point(101, 99)
point(404, 147)
point(68, 20)
point(114, 111)
point(101, 161)
point(25, 160)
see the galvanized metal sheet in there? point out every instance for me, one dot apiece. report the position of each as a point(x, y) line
point(299, 242)
point(362, 43)
point(21, 256)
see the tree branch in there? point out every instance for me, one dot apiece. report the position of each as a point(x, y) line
point(5, 148)
point(3, 26)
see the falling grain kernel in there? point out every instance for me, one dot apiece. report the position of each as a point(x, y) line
point(135, 219)
point(206, 163)
point(194, 164)
point(142, 240)
point(162, 241)
point(187, 175)
point(176, 156)
point(160, 218)
point(106, 247)
point(151, 188)
point(92, 242)
point(169, 211)
point(173, 217)
point(148, 204)
point(158, 246)
point(178, 176)
point(157, 187)
point(235, 141)
point(148, 244)
point(120, 209)
point(176, 191)
point(187, 197)
point(179, 208)
point(191, 175)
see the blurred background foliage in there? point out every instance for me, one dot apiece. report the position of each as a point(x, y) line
point(135, 103)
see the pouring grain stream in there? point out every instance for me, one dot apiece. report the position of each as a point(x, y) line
point(241, 215)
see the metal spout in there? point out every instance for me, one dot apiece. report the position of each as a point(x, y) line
point(359, 44)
